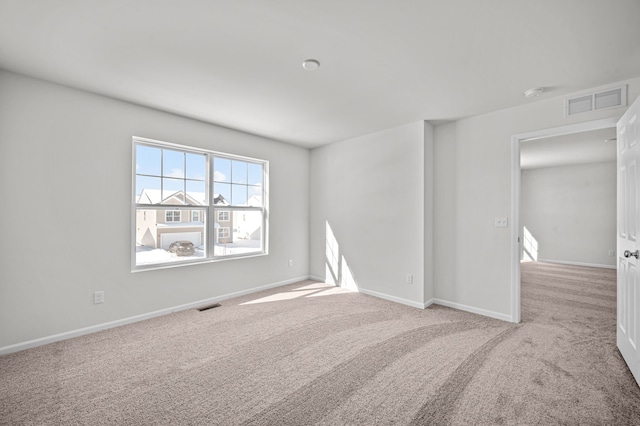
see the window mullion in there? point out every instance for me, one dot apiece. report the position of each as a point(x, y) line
point(184, 177)
point(161, 175)
point(210, 219)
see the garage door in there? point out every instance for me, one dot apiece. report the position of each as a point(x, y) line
point(166, 239)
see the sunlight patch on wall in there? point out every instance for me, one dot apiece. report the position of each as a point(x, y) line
point(337, 271)
point(347, 280)
point(331, 254)
point(529, 245)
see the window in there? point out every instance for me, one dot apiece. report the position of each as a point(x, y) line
point(172, 215)
point(239, 185)
point(225, 196)
point(223, 234)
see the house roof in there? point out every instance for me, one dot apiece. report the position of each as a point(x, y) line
point(154, 196)
point(255, 201)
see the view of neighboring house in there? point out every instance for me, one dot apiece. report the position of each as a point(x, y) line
point(158, 228)
point(249, 224)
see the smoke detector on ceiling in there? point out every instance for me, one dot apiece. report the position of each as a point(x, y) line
point(534, 92)
point(311, 64)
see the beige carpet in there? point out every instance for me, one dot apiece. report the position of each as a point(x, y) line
point(310, 354)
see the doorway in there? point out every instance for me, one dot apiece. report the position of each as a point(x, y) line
point(517, 235)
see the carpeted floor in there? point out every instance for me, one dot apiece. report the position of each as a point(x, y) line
point(311, 354)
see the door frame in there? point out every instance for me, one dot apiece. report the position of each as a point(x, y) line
point(516, 139)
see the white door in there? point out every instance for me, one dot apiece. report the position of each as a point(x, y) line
point(628, 313)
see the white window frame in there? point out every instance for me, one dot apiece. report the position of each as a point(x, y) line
point(172, 213)
point(207, 211)
point(195, 213)
point(222, 213)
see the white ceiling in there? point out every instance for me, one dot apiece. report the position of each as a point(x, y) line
point(383, 63)
point(594, 146)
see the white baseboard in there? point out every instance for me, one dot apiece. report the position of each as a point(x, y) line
point(566, 262)
point(383, 295)
point(392, 298)
point(432, 301)
point(104, 326)
point(473, 310)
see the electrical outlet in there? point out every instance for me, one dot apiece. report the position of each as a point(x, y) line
point(501, 222)
point(98, 297)
point(612, 253)
point(290, 263)
point(409, 279)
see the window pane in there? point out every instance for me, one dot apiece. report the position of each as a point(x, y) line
point(223, 216)
point(154, 237)
point(238, 172)
point(255, 174)
point(172, 163)
point(245, 236)
point(197, 215)
point(255, 196)
point(196, 166)
point(238, 195)
point(147, 190)
point(223, 235)
point(221, 170)
point(221, 193)
point(172, 216)
point(147, 160)
point(172, 191)
point(196, 191)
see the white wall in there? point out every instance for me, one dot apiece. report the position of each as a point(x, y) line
point(445, 196)
point(370, 190)
point(481, 159)
point(65, 166)
point(571, 212)
point(429, 217)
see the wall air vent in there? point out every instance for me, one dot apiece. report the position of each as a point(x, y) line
point(604, 99)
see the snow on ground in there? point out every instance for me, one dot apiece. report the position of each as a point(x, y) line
point(149, 255)
point(237, 247)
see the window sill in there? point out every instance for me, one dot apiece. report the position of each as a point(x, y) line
point(178, 264)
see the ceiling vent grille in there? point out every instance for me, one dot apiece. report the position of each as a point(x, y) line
point(604, 99)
